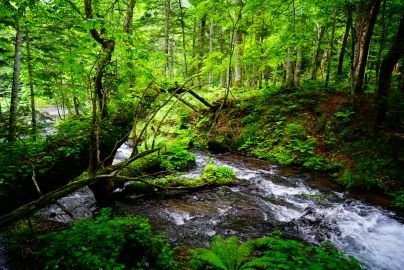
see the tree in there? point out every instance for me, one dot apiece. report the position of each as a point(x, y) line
point(366, 18)
point(16, 82)
point(348, 26)
point(384, 87)
point(31, 86)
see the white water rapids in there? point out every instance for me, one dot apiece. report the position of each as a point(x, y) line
point(265, 196)
point(369, 233)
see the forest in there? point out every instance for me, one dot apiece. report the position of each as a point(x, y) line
point(198, 134)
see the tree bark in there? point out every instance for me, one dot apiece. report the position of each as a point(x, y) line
point(288, 70)
point(195, 53)
point(348, 26)
point(330, 55)
point(107, 48)
point(167, 12)
point(386, 70)
point(211, 39)
point(298, 67)
point(31, 87)
point(364, 31)
point(184, 50)
point(16, 83)
point(401, 83)
point(127, 28)
point(127, 25)
point(382, 40)
point(102, 174)
point(318, 53)
point(223, 73)
point(238, 38)
point(201, 49)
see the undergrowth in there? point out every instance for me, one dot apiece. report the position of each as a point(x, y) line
point(269, 253)
point(105, 242)
point(313, 129)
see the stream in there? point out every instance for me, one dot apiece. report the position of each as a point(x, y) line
point(265, 198)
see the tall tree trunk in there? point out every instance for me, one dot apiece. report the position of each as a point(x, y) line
point(127, 25)
point(1, 114)
point(238, 38)
point(364, 31)
point(211, 39)
point(318, 52)
point(386, 70)
point(401, 83)
point(201, 48)
point(184, 50)
point(167, 12)
point(274, 76)
point(127, 28)
point(330, 55)
point(223, 73)
point(195, 53)
point(76, 102)
point(382, 40)
point(16, 83)
point(348, 26)
point(104, 58)
point(31, 87)
point(298, 67)
point(288, 70)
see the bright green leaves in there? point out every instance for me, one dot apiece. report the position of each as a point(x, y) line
point(215, 175)
point(107, 243)
point(270, 253)
point(224, 254)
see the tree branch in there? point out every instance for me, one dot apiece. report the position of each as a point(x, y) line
point(75, 8)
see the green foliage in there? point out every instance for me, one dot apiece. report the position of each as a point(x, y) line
point(215, 175)
point(277, 129)
point(315, 163)
point(278, 253)
point(363, 178)
point(177, 157)
point(304, 146)
point(377, 165)
point(211, 176)
point(108, 243)
point(269, 253)
point(225, 254)
point(282, 155)
point(398, 199)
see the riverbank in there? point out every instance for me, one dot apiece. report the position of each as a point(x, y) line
point(312, 129)
point(265, 198)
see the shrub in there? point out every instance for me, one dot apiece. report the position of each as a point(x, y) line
point(398, 199)
point(107, 243)
point(315, 163)
point(177, 158)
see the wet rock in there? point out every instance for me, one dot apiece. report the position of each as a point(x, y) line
point(317, 225)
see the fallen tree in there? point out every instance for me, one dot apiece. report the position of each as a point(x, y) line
point(104, 179)
point(48, 198)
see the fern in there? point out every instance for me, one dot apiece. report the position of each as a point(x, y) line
point(226, 254)
point(270, 253)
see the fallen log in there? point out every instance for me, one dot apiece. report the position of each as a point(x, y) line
point(105, 173)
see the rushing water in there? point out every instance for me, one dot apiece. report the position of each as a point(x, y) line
point(265, 198)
